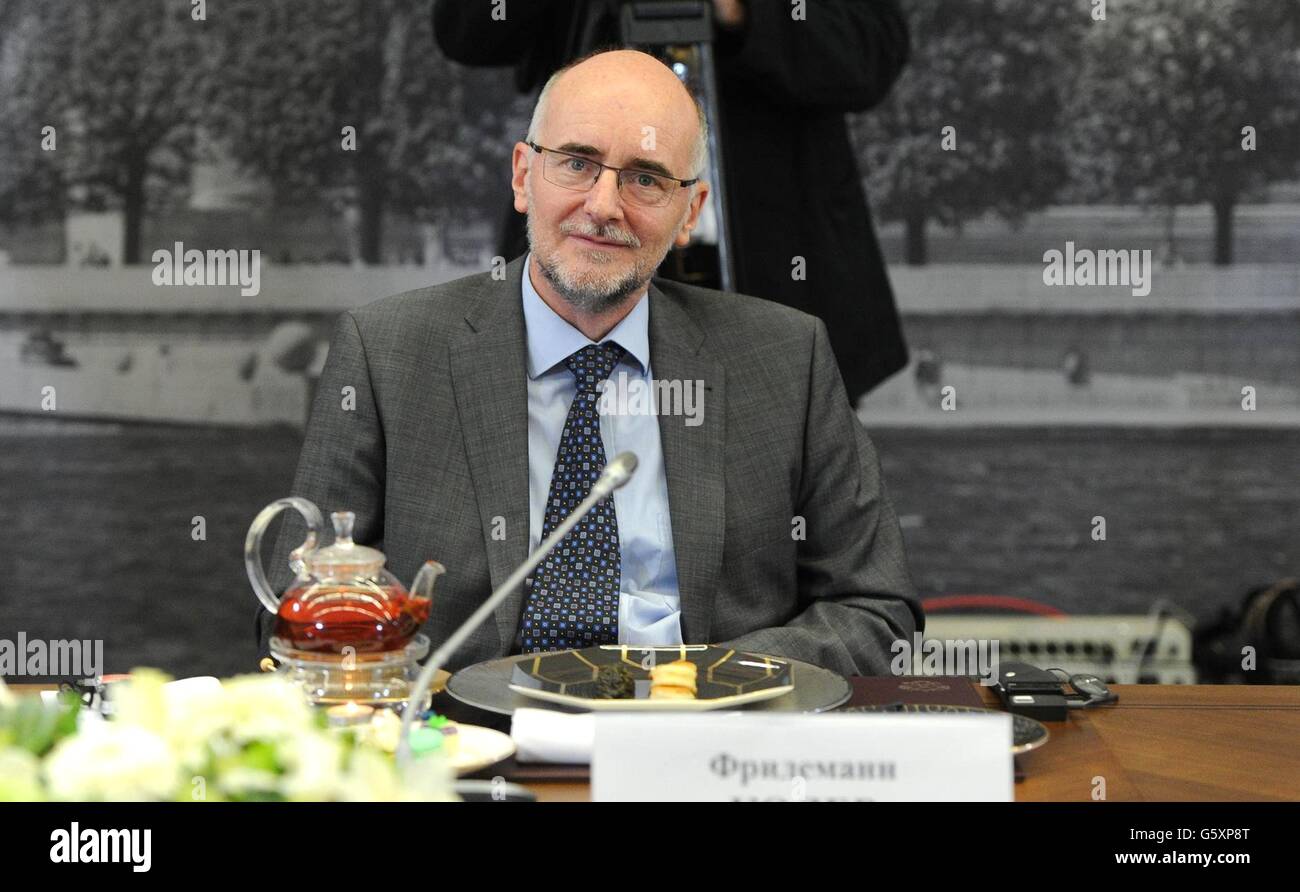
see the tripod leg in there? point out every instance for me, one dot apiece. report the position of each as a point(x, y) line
point(682, 34)
point(709, 96)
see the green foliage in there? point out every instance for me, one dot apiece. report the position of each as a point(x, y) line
point(35, 726)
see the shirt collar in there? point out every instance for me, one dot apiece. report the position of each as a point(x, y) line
point(551, 339)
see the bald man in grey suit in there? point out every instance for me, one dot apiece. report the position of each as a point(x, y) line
point(439, 411)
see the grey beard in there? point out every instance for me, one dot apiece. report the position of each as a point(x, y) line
point(590, 300)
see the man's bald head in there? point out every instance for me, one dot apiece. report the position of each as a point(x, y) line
point(596, 242)
point(638, 80)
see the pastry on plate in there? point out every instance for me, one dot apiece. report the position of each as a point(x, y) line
point(674, 681)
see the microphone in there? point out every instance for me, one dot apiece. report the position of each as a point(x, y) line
point(616, 473)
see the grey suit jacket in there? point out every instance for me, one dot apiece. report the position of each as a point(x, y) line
point(435, 455)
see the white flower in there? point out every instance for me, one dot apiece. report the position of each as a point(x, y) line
point(139, 701)
point(315, 764)
point(371, 777)
point(253, 736)
point(374, 777)
point(114, 761)
point(383, 731)
point(248, 708)
point(20, 774)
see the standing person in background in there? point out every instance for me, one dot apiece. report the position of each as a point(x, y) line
point(784, 86)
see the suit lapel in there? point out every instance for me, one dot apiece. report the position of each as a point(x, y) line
point(489, 379)
point(693, 460)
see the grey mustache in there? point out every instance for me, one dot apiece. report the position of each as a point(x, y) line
point(609, 235)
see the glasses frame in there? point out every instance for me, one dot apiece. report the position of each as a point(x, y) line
point(600, 171)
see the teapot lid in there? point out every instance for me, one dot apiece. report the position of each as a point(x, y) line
point(344, 557)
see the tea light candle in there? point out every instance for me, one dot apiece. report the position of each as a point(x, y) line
point(350, 713)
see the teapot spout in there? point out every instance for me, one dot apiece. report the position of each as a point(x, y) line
point(425, 579)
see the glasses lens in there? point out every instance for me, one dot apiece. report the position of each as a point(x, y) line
point(638, 186)
point(570, 172)
point(646, 188)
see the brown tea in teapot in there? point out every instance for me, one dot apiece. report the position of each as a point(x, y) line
point(332, 617)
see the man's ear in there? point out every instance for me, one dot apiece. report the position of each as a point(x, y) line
point(519, 161)
point(701, 194)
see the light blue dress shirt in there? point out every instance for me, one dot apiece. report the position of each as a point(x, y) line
point(649, 606)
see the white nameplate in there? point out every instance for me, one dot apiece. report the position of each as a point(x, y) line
point(775, 757)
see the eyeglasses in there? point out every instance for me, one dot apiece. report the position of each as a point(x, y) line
point(579, 174)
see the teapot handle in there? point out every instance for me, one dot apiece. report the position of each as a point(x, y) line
point(253, 546)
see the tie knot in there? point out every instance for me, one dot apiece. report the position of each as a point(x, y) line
point(593, 364)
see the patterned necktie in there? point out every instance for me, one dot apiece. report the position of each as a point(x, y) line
point(571, 600)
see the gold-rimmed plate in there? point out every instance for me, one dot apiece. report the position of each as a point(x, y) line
point(726, 678)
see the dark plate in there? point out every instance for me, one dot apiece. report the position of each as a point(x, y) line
point(725, 677)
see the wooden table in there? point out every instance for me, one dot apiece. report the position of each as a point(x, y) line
point(1159, 742)
point(1174, 742)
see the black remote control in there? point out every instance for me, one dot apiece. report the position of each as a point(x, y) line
point(1029, 691)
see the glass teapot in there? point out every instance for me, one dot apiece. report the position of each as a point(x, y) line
point(343, 596)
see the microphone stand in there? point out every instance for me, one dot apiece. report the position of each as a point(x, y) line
point(616, 473)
